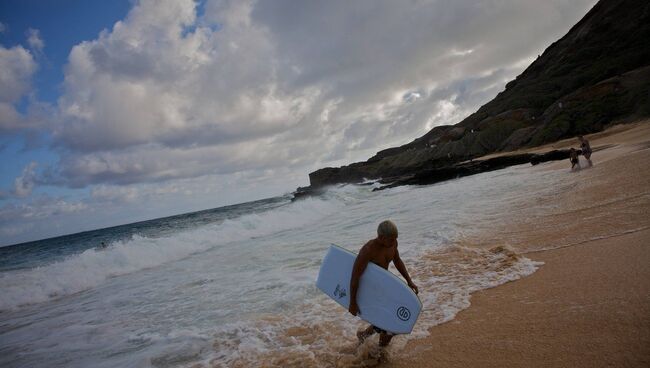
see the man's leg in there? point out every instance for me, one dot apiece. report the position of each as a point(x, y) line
point(363, 335)
point(576, 166)
point(384, 339)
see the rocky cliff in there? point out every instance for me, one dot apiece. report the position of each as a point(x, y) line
point(596, 75)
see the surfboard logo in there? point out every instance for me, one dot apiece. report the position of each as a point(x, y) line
point(403, 313)
point(340, 292)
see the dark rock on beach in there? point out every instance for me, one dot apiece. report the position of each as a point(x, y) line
point(432, 176)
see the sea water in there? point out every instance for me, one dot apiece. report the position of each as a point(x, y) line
point(234, 286)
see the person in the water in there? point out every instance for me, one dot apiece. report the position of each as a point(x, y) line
point(381, 251)
point(585, 148)
point(573, 157)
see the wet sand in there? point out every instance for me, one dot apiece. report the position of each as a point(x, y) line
point(589, 304)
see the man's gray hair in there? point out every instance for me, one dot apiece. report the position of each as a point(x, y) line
point(387, 228)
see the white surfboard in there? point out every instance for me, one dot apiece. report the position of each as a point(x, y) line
point(384, 299)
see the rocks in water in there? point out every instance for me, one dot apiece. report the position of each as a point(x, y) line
point(432, 176)
point(551, 156)
point(467, 168)
point(303, 192)
point(436, 175)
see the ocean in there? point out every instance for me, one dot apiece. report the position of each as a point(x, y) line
point(234, 286)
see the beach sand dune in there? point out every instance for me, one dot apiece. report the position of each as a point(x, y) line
point(589, 304)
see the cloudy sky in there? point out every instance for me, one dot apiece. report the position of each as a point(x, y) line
point(118, 111)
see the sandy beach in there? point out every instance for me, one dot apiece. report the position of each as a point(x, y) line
point(589, 304)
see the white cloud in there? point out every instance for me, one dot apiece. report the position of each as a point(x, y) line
point(114, 194)
point(154, 80)
point(40, 217)
point(17, 67)
point(35, 41)
point(168, 94)
point(39, 209)
point(15, 229)
point(24, 184)
point(156, 163)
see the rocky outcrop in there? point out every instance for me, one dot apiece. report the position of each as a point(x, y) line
point(598, 74)
point(432, 176)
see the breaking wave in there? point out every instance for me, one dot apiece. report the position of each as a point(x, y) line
point(92, 267)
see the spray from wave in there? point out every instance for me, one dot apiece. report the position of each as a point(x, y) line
point(92, 267)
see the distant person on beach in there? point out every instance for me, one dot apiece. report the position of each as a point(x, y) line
point(586, 149)
point(573, 156)
point(381, 251)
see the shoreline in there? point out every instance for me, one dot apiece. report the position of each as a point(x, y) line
point(582, 308)
point(589, 304)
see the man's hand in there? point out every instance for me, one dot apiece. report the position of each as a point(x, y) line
point(354, 309)
point(414, 287)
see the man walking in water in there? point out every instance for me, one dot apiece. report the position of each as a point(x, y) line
point(585, 148)
point(381, 251)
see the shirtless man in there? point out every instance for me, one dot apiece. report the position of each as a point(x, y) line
point(381, 251)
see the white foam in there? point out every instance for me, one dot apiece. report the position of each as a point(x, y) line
point(450, 292)
point(93, 266)
point(319, 325)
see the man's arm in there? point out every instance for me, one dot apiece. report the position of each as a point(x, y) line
point(402, 269)
point(360, 265)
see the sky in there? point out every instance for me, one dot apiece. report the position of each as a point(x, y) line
point(119, 111)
